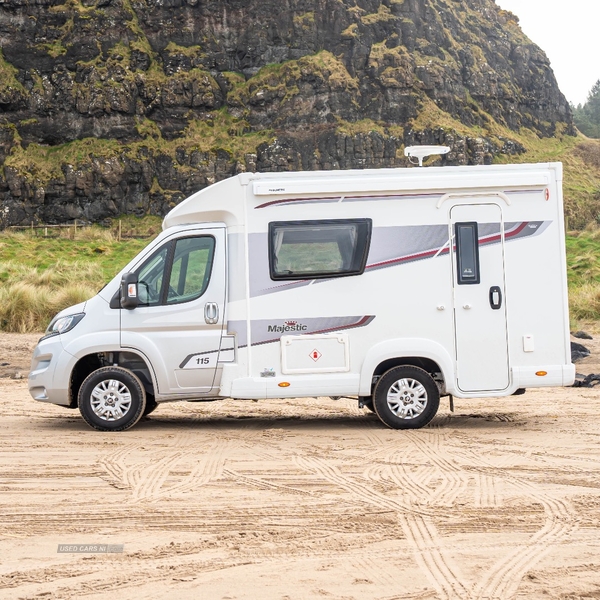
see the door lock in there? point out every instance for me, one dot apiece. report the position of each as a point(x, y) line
point(211, 313)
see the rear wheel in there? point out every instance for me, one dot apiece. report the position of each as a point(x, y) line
point(406, 398)
point(111, 399)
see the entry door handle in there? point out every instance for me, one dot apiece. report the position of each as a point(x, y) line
point(211, 313)
point(495, 297)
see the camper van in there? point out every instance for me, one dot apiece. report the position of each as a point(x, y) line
point(392, 286)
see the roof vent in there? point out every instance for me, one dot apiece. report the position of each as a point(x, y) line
point(421, 152)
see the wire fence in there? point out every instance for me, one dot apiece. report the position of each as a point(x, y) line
point(71, 229)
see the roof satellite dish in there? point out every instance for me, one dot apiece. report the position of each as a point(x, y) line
point(421, 152)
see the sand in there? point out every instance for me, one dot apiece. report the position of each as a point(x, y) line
point(302, 499)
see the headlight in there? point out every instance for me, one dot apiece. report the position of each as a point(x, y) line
point(62, 324)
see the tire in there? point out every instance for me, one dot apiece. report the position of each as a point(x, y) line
point(406, 398)
point(111, 399)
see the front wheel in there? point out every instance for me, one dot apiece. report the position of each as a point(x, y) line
point(111, 399)
point(406, 398)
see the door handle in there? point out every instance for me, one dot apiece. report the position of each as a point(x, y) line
point(211, 313)
point(495, 297)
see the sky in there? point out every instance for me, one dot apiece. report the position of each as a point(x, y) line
point(569, 33)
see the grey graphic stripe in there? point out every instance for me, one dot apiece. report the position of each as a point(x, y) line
point(266, 331)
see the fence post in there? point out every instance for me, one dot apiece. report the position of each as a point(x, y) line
point(119, 234)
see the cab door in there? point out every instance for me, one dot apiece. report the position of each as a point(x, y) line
point(179, 322)
point(479, 297)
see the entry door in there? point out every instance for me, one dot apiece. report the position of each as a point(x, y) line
point(479, 297)
point(179, 322)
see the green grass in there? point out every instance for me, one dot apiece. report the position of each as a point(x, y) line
point(40, 276)
point(94, 245)
point(583, 269)
point(583, 257)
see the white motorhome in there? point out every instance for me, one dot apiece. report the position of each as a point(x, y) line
point(395, 286)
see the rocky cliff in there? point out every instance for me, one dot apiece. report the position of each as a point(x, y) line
point(128, 106)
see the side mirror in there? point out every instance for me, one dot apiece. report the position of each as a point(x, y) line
point(129, 291)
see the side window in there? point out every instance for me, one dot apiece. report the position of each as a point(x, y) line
point(318, 249)
point(190, 273)
point(177, 272)
point(467, 253)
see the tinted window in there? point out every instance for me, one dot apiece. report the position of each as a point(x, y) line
point(467, 253)
point(313, 249)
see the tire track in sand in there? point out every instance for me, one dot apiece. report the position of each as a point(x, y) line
point(432, 557)
point(454, 479)
point(208, 468)
point(116, 471)
point(486, 491)
point(420, 534)
point(264, 484)
point(416, 485)
point(504, 578)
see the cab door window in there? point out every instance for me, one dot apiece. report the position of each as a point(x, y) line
point(178, 272)
point(191, 267)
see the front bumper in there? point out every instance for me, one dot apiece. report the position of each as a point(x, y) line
point(50, 372)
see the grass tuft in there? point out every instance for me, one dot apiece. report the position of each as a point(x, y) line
point(30, 297)
point(584, 302)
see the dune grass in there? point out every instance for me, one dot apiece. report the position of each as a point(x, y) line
point(40, 276)
point(583, 267)
point(30, 297)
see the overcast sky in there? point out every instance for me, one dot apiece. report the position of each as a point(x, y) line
point(569, 34)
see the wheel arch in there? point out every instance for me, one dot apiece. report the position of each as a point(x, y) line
point(127, 359)
point(425, 354)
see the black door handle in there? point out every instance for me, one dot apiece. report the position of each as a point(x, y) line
point(495, 297)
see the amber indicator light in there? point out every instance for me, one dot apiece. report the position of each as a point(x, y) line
point(541, 373)
point(284, 384)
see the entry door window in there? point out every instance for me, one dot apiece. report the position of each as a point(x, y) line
point(467, 253)
point(178, 272)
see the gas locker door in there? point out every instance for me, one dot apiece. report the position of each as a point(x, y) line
point(479, 297)
point(179, 322)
